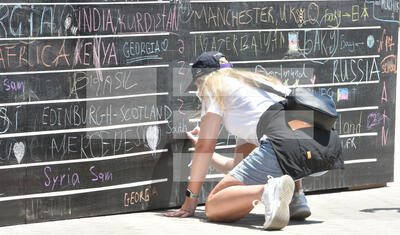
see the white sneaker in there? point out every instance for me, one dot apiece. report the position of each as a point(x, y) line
point(276, 197)
point(299, 209)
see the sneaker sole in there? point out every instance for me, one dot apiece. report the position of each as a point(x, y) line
point(282, 215)
point(301, 214)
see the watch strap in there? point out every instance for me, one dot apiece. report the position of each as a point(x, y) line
point(190, 194)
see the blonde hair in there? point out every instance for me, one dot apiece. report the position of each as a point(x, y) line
point(215, 84)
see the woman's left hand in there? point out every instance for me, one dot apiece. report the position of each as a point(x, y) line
point(187, 209)
point(193, 135)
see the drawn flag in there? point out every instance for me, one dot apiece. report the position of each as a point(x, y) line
point(342, 94)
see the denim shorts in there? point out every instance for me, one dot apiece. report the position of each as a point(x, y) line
point(258, 165)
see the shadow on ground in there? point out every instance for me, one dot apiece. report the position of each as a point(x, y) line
point(373, 210)
point(250, 221)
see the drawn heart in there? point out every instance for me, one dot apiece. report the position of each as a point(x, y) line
point(74, 30)
point(313, 80)
point(152, 136)
point(67, 22)
point(164, 45)
point(19, 151)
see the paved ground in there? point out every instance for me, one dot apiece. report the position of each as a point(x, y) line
point(371, 211)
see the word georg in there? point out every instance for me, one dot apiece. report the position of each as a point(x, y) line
point(70, 178)
point(136, 197)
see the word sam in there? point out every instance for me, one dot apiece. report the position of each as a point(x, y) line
point(9, 85)
point(69, 178)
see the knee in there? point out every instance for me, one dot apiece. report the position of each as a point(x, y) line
point(211, 212)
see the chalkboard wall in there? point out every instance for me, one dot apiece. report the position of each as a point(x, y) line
point(92, 104)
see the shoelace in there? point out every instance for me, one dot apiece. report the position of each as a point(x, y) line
point(257, 202)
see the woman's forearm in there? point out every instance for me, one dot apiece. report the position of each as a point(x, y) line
point(204, 149)
point(200, 164)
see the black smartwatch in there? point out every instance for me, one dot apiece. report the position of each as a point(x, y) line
point(191, 194)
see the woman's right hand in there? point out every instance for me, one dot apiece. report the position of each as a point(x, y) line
point(187, 210)
point(193, 135)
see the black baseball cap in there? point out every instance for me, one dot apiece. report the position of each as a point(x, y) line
point(205, 63)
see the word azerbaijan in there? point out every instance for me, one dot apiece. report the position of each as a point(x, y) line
point(66, 179)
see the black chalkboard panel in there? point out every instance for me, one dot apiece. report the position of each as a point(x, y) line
point(93, 112)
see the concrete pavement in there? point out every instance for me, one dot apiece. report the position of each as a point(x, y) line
point(370, 211)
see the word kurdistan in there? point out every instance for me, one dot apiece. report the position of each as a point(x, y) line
point(105, 20)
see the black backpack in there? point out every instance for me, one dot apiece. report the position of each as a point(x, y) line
point(300, 152)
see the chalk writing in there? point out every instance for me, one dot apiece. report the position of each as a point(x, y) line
point(97, 51)
point(351, 70)
point(5, 122)
point(325, 43)
point(95, 86)
point(13, 86)
point(11, 24)
point(375, 119)
point(322, 91)
point(389, 64)
point(44, 55)
point(142, 196)
point(348, 127)
point(97, 144)
point(68, 178)
point(100, 176)
point(288, 75)
point(76, 115)
point(253, 43)
point(384, 97)
point(179, 125)
point(350, 46)
point(349, 143)
point(214, 17)
point(92, 20)
point(386, 42)
point(138, 50)
point(385, 130)
point(71, 178)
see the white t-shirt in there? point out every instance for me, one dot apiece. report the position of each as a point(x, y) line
point(244, 106)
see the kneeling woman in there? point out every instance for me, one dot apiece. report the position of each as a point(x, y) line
point(234, 98)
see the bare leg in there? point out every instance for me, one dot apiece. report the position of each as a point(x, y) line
point(298, 186)
point(231, 200)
